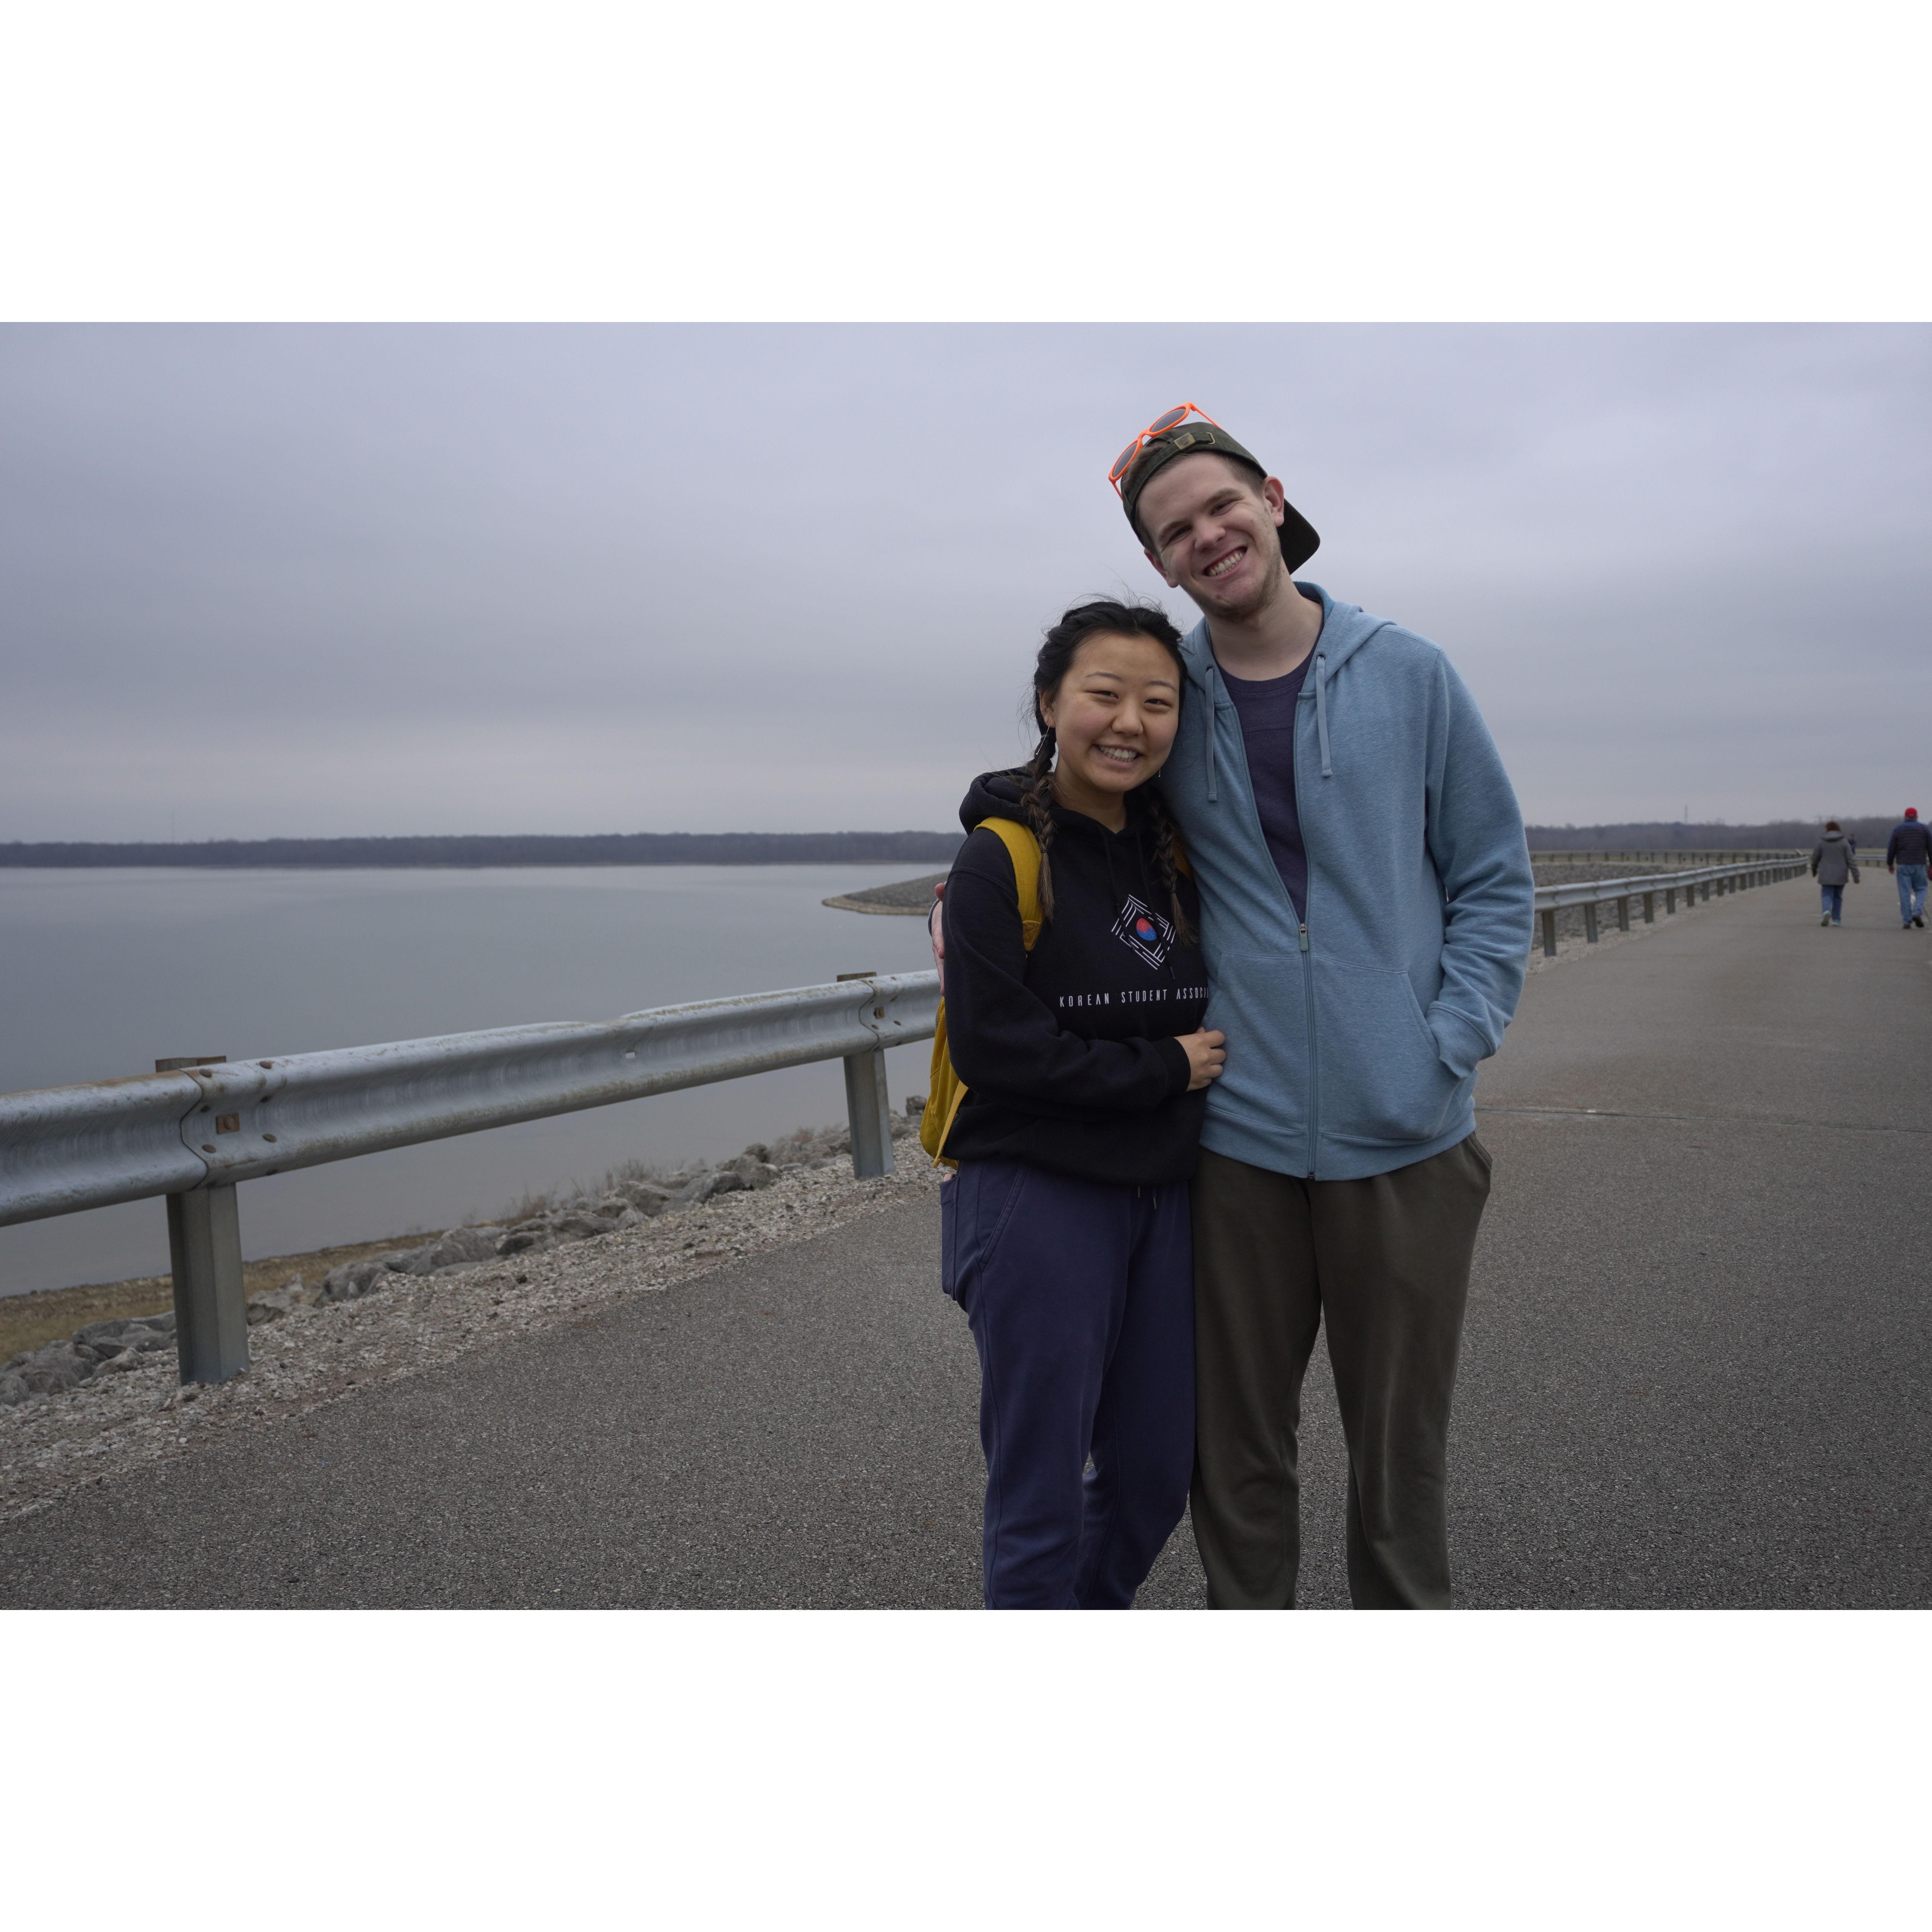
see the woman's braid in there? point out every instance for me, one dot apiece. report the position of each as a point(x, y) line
point(1036, 798)
point(1166, 836)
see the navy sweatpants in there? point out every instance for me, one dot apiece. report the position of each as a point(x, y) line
point(1081, 1297)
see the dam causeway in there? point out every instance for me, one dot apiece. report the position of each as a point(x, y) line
point(1694, 1372)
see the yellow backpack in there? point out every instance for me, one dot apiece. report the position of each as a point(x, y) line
point(947, 1090)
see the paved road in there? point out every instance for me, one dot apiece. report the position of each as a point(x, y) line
point(1696, 1371)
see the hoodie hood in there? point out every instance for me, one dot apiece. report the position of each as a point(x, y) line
point(996, 795)
point(1346, 628)
point(993, 795)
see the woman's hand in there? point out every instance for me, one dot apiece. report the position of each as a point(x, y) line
point(1206, 1057)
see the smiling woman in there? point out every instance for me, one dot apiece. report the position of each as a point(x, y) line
point(1112, 714)
point(1075, 1024)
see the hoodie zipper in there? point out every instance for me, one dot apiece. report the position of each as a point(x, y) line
point(1308, 963)
point(1300, 924)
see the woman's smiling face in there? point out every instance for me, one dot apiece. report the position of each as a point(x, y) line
point(1114, 719)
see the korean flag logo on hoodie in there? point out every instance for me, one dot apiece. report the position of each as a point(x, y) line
point(1143, 931)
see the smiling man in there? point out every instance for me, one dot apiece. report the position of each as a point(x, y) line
point(1366, 911)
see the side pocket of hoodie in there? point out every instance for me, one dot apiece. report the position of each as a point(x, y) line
point(1382, 1081)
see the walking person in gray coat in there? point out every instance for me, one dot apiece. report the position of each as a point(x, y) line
point(1833, 862)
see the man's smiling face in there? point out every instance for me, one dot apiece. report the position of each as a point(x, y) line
point(1212, 528)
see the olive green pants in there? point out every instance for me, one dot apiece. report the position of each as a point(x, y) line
point(1385, 1262)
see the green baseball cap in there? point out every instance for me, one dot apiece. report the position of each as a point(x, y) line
point(1299, 541)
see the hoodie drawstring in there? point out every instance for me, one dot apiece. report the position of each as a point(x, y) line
point(1321, 717)
point(1321, 720)
point(1208, 713)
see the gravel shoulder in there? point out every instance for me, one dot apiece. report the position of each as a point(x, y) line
point(54, 1445)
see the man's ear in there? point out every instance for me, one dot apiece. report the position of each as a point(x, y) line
point(1276, 498)
point(1160, 568)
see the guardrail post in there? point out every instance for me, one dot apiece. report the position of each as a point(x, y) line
point(1548, 916)
point(205, 1251)
point(1670, 900)
point(869, 1106)
point(1650, 908)
point(1623, 914)
point(1590, 924)
point(211, 1308)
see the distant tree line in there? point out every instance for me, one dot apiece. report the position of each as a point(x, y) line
point(1656, 836)
point(611, 848)
point(799, 848)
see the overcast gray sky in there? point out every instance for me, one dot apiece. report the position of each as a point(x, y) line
point(281, 581)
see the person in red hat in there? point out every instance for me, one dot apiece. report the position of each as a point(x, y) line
point(1907, 853)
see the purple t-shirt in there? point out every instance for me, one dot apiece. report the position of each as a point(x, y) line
point(1266, 707)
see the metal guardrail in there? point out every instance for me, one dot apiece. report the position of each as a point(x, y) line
point(1738, 856)
point(1591, 893)
point(194, 1129)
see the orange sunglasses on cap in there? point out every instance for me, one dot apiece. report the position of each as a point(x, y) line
point(1173, 418)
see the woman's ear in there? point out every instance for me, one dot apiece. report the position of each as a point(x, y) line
point(1044, 706)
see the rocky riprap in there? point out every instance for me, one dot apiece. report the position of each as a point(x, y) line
point(627, 1199)
point(318, 1352)
point(114, 1346)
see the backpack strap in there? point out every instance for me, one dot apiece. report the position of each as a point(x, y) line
point(946, 1089)
point(1023, 848)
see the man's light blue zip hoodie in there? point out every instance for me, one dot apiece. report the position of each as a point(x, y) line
point(1353, 1037)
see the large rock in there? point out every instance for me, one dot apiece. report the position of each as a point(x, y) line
point(528, 1238)
point(13, 1389)
point(694, 1192)
point(285, 1300)
point(55, 1369)
point(579, 1224)
point(459, 1246)
point(353, 1279)
point(645, 1197)
point(411, 1261)
point(752, 1172)
point(137, 1334)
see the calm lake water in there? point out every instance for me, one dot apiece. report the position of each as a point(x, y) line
point(105, 971)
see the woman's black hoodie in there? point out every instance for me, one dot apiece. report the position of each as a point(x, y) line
point(1070, 1053)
